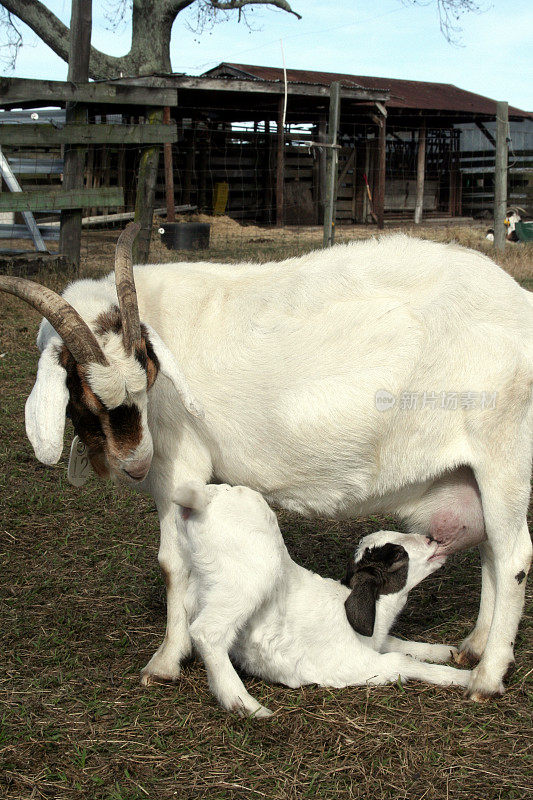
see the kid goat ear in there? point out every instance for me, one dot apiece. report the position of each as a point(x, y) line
point(360, 605)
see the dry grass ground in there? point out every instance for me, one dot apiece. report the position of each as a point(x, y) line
point(83, 609)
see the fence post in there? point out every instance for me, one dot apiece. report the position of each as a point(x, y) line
point(500, 174)
point(280, 166)
point(332, 161)
point(74, 164)
point(145, 198)
point(420, 172)
point(169, 172)
point(379, 193)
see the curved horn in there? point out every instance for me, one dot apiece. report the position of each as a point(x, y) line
point(127, 296)
point(74, 331)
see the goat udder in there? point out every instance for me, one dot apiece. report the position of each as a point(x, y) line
point(456, 529)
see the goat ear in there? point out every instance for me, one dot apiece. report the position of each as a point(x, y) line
point(360, 605)
point(191, 495)
point(170, 368)
point(46, 406)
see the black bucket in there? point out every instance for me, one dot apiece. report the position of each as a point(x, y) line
point(185, 235)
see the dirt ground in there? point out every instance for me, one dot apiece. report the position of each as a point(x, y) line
point(82, 609)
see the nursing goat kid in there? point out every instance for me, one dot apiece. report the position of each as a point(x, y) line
point(386, 376)
point(283, 623)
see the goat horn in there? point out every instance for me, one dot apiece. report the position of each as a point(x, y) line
point(127, 296)
point(74, 331)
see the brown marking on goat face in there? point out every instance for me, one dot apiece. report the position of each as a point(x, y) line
point(519, 577)
point(387, 565)
point(85, 420)
point(152, 362)
point(381, 570)
point(108, 322)
point(122, 427)
point(110, 436)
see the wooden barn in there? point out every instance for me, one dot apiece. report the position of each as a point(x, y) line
point(442, 114)
point(253, 142)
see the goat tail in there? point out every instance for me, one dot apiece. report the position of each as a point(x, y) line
point(192, 495)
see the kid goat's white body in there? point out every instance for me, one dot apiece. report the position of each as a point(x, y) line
point(279, 621)
point(287, 359)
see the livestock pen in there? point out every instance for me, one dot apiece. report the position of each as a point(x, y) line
point(83, 609)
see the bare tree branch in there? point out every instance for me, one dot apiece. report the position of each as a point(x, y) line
point(450, 11)
point(56, 35)
point(229, 5)
point(13, 38)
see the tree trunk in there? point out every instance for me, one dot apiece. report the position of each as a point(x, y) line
point(151, 30)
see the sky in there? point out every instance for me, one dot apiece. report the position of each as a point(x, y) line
point(387, 38)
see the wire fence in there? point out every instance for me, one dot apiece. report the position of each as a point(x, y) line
point(227, 173)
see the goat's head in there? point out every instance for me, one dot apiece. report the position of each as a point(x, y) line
point(385, 563)
point(98, 376)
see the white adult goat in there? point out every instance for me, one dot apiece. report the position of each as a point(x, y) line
point(308, 371)
point(283, 623)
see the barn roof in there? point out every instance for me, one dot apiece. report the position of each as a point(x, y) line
point(404, 95)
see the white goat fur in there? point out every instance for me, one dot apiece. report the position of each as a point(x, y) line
point(286, 358)
point(281, 622)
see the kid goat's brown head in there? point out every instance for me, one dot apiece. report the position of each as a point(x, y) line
point(99, 375)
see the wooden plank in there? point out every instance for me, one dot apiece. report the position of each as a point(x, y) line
point(169, 170)
point(47, 135)
point(280, 161)
point(57, 199)
point(276, 87)
point(486, 132)
point(112, 219)
point(25, 91)
point(348, 165)
point(500, 174)
point(145, 197)
point(332, 164)
point(379, 192)
point(420, 172)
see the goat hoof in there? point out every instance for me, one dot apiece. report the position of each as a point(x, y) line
point(465, 658)
point(483, 687)
point(477, 696)
point(150, 678)
point(250, 709)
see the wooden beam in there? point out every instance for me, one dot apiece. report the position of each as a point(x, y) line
point(500, 175)
point(24, 91)
point(169, 169)
point(58, 199)
point(276, 87)
point(48, 135)
point(348, 165)
point(379, 192)
point(74, 161)
point(332, 164)
point(486, 132)
point(145, 198)
point(420, 172)
point(280, 165)
point(322, 166)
